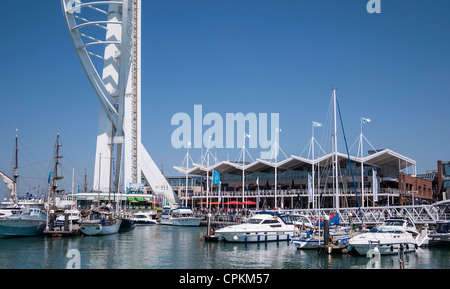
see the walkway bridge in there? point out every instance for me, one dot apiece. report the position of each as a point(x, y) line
point(420, 215)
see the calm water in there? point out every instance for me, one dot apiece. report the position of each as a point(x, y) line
point(165, 247)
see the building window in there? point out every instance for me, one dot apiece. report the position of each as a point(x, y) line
point(446, 170)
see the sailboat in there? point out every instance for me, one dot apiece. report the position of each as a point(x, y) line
point(312, 238)
point(20, 222)
point(102, 220)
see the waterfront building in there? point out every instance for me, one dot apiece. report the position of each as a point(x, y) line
point(397, 183)
point(443, 176)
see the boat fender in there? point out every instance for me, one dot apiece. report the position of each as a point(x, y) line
point(407, 246)
point(416, 246)
point(392, 248)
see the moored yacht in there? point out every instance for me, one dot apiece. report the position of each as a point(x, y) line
point(74, 216)
point(440, 236)
point(28, 222)
point(144, 218)
point(181, 216)
point(100, 222)
point(311, 237)
point(387, 237)
point(265, 226)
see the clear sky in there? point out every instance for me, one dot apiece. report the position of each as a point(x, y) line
point(260, 56)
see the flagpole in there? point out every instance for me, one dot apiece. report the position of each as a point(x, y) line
point(337, 200)
point(313, 157)
point(362, 164)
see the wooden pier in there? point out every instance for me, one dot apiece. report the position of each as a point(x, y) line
point(62, 232)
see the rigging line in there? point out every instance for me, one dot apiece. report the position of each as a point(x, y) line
point(350, 163)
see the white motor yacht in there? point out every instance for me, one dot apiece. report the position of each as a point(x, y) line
point(74, 216)
point(388, 237)
point(265, 226)
point(181, 216)
point(144, 218)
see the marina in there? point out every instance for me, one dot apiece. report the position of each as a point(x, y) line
point(169, 247)
point(332, 205)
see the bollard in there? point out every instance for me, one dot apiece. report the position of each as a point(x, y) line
point(51, 222)
point(66, 222)
point(326, 230)
point(401, 256)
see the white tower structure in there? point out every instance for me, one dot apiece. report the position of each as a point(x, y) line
point(107, 38)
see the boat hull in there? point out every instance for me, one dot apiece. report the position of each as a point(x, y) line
point(145, 223)
point(254, 237)
point(98, 229)
point(313, 243)
point(21, 228)
point(184, 222)
point(439, 239)
point(384, 249)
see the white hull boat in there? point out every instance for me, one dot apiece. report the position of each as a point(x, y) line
point(97, 228)
point(262, 227)
point(100, 222)
point(142, 219)
point(311, 242)
point(389, 238)
point(181, 216)
point(74, 216)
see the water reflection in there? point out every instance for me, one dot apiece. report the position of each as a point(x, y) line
point(165, 247)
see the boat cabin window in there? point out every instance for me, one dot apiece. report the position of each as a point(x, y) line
point(394, 223)
point(442, 228)
point(385, 230)
point(287, 219)
point(270, 222)
point(254, 221)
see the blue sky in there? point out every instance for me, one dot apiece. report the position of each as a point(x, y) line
point(260, 56)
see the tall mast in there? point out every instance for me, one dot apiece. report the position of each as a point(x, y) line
point(12, 183)
point(362, 164)
point(55, 178)
point(336, 154)
point(85, 180)
point(16, 168)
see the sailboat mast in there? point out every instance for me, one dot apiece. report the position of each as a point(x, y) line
point(362, 164)
point(16, 169)
point(55, 175)
point(336, 154)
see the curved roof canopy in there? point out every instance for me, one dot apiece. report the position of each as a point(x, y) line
point(382, 159)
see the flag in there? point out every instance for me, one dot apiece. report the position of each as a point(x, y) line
point(78, 189)
point(317, 124)
point(366, 120)
point(216, 177)
point(375, 185)
point(50, 176)
point(310, 193)
point(220, 195)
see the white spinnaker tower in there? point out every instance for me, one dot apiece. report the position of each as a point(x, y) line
point(107, 37)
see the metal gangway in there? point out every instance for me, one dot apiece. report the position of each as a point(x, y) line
point(420, 214)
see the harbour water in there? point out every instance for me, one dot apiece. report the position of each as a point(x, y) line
point(166, 247)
